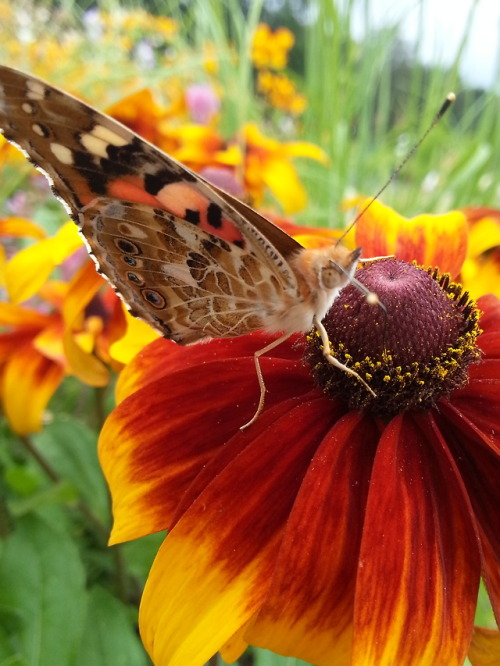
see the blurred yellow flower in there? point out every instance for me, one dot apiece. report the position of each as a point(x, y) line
point(270, 49)
point(281, 92)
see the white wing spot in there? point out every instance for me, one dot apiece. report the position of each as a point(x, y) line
point(62, 153)
point(97, 141)
point(27, 107)
point(35, 90)
point(37, 129)
point(93, 145)
point(109, 136)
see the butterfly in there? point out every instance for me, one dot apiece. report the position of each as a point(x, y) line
point(186, 257)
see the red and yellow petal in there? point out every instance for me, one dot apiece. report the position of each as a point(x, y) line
point(29, 381)
point(158, 439)
point(419, 563)
point(430, 240)
point(222, 550)
point(308, 610)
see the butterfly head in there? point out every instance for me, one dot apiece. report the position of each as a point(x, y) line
point(337, 267)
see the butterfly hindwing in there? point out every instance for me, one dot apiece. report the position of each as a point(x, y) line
point(86, 154)
point(186, 283)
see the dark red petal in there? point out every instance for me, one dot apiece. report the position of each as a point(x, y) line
point(157, 440)
point(490, 307)
point(309, 607)
point(479, 466)
point(480, 399)
point(419, 563)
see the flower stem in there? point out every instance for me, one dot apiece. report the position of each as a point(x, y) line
point(100, 529)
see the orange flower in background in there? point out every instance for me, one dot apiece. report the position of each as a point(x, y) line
point(270, 48)
point(66, 328)
point(325, 531)
point(268, 165)
point(481, 270)
point(281, 92)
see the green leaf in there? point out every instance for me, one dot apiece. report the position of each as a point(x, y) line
point(71, 448)
point(42, 596)
point(109, 637)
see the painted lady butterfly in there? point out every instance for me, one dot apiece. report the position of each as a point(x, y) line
point(189, 259)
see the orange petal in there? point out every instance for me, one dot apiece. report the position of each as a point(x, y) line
point(49, 342)
point(84, 365)
point(84, 285)
point(419, 563)
point(309, 607)
point(29, 381)
point(21, 227)
point(485, 647)
point(15, 315)
point(430, 240)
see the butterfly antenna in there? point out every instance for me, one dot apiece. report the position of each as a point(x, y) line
point(450, 98)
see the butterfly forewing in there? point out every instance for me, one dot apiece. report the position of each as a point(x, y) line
point(86, 154)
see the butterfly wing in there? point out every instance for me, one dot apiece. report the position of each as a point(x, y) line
point(86, 155)
point(189, 259)
point(184, 282)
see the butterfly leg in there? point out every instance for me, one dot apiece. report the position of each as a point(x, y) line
point(260, 377)
point(331, 359)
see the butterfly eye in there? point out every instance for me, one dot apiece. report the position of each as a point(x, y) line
point(331, 276)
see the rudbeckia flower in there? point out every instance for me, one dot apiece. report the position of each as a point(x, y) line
point(339, 528)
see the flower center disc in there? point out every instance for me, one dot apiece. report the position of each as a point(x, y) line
point(411, 354)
